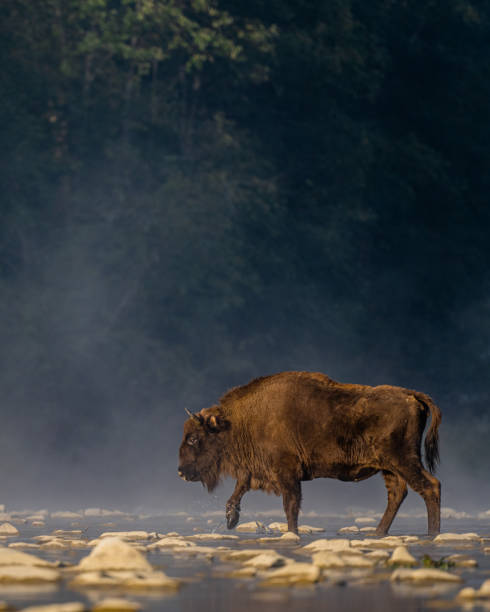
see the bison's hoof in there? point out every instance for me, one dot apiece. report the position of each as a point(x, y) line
point(232, 517)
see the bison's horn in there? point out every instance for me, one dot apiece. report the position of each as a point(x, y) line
point(192, 415)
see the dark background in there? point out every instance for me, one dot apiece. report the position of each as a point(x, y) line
point(196, 193)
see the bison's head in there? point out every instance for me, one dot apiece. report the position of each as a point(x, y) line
point(200, 452)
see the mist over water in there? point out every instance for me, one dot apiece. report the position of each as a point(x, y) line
point(173, 227)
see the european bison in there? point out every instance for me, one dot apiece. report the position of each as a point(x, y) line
point(279, 430)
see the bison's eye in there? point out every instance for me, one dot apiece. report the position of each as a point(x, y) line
point(192, 440)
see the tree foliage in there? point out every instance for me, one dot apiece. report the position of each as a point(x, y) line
point(194, 193)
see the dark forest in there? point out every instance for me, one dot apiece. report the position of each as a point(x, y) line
point(197, 193)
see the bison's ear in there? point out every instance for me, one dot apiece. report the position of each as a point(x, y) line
point(216, 424)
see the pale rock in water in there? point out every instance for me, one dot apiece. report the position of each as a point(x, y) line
point(292, 574)
point(387, 542)
point(354, 558)
point(423, 575)
point(451, 538)
point(452, 513)
point(287, 537)
point(333, 545)
point(248, 553)
point(328, 560)
point(251, 527)
point(126, 580)
point(305, 529)
point(470, 593)
point(127, 535)
point(23, 545)
point(350, 529)
point(27, 574)
point(172, 543)
point(243, 572)
point(212, 536)
point(462, 561)
point(378, 555)
point(365, 520)
point(74, 606)
point(402, 556)
point(65, 514)
point(7, 529)
point(115, 604)
point(114, 554)
point(367, 529)
point(10, 557)
point(266, 561)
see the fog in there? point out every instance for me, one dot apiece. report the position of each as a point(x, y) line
point(302, 194)
point(93, 399)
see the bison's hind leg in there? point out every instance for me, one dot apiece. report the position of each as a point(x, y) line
point(397, 491)
point(426, 485)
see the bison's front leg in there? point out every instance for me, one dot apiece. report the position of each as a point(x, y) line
point(233, 504)
point(291, 499)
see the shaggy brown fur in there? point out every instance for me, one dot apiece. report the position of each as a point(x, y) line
point(279, 430)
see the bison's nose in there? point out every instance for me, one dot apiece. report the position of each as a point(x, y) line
point(181, 474)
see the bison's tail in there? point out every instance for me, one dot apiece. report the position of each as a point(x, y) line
point(432, 435)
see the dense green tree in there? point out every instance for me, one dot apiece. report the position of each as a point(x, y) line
point(195, 193)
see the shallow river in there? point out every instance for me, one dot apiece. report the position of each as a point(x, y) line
point(207, 587)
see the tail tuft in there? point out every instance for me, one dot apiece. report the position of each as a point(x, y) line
point(431, 444)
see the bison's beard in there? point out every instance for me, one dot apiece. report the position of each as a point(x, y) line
point(211, 477)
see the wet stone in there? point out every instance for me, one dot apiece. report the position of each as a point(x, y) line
point(293, 574)
point(243, 572)
point(367, 529)
point(247, 553)
point(378, 555)
point(328, 560)
point(303, 529)
point(212, 536)
point(74, 606)
point(388, 542)
point(127, 535)
point(423, 575)
point(65, 514)
point(126, 580)
point(350, 529)
point(114, 554)
point(401, 556)
point(462, 560)
point(7, 529)
point(10, 557)
point(251, 527)
point(27, 574)
point(357, 560)
point(286, 538)
point(333, 545)
point(266, 561)
point(470, 593)
point(172, 542)
point(452, 538)
point(116, 604)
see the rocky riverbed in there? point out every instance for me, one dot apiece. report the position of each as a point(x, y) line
point(105, 560)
